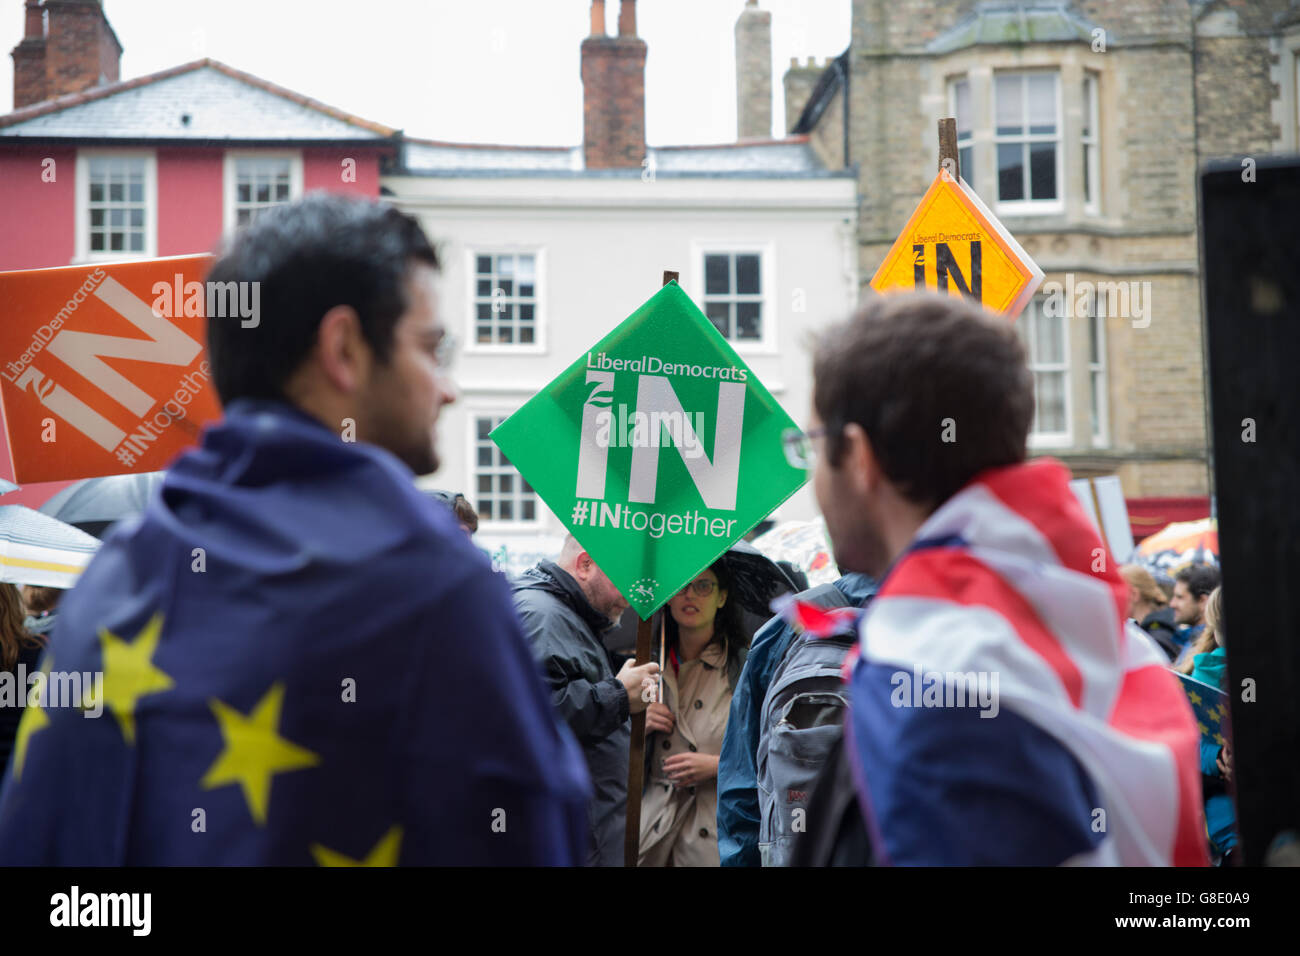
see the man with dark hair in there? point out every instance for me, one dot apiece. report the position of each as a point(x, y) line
point(1192, 589)
point(1001, 710)
point(304, 659)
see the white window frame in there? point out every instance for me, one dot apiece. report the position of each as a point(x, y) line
point(540, 325)
point(82, 251)
point(1091, 145)
point(766, 252)
point(495, 526)
point(1039, 439)
point(229, 161)
point(1029, 207)
point(966, 142)
point(1098, 382)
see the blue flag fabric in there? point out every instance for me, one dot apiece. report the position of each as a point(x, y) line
point(305, 661)
point(1210, 707)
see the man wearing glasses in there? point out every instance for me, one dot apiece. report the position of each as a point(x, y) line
point(1002, 711)
point(305, 661)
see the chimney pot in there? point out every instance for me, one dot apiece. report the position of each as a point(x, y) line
point(613, 97)
point(627, 18)
point(598, 18)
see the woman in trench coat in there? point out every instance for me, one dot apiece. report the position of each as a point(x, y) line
point(705, 648)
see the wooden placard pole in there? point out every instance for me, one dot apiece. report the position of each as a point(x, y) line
point(948, 147)
point(636, 752)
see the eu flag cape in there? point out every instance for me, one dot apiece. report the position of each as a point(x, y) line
point(304, 661)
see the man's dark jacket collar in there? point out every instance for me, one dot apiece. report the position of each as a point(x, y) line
point(550, 577)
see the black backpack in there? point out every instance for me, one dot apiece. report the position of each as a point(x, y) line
point(801, 722)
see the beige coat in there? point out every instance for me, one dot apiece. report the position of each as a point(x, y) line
point(679, 827)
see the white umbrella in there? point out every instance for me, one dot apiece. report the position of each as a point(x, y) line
point(38, 549)
point(803, 544)
point(94, 504)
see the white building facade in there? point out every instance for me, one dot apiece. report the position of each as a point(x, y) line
point(542, 258)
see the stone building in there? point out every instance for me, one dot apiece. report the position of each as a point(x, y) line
point(1082, 125)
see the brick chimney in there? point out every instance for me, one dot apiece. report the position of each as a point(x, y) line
point(754, 73)
point(613, 91)
point(29, 58)
point(68, 46)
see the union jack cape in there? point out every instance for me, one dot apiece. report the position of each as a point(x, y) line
point(1089, 756)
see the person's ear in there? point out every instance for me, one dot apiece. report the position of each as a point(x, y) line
point(858, 462)
point(722, 598)
point(342, 352)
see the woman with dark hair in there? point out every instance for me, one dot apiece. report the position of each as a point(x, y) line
point(705, 649)
point(17, 647)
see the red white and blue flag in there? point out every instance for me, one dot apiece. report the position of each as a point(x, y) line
point(807, 618)
point(1003, 710)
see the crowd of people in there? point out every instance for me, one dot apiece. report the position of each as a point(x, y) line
point(346, 678)
point(1184, 614)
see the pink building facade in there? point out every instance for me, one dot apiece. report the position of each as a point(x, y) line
point(166, 165)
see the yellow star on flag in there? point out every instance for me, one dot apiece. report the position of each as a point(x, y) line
point(1194, 697)
point(35, 719)
point(385, 852)
point(129, 672)
point(255, 751)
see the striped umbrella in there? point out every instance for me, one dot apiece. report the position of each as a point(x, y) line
point(1180, 544)
point(38, 549)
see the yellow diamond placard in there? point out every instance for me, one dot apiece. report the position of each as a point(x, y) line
point(954, 244)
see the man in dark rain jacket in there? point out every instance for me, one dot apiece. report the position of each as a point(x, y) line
point(566, 606)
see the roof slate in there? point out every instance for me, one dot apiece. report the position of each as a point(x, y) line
point(996, 22)
point(222, 104)
point(225, 104)
point(790, 158)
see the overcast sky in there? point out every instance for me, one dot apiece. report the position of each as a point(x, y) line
point(488, 71)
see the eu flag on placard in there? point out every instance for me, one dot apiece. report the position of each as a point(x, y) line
point(1209, 704)
point(301, 660)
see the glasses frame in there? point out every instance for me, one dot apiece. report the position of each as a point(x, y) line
point(798, 446)
point(695, 587)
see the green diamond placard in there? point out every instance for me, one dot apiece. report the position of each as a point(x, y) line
point(658, 448)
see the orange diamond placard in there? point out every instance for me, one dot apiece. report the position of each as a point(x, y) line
point(103, 369)
point(954, 244)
